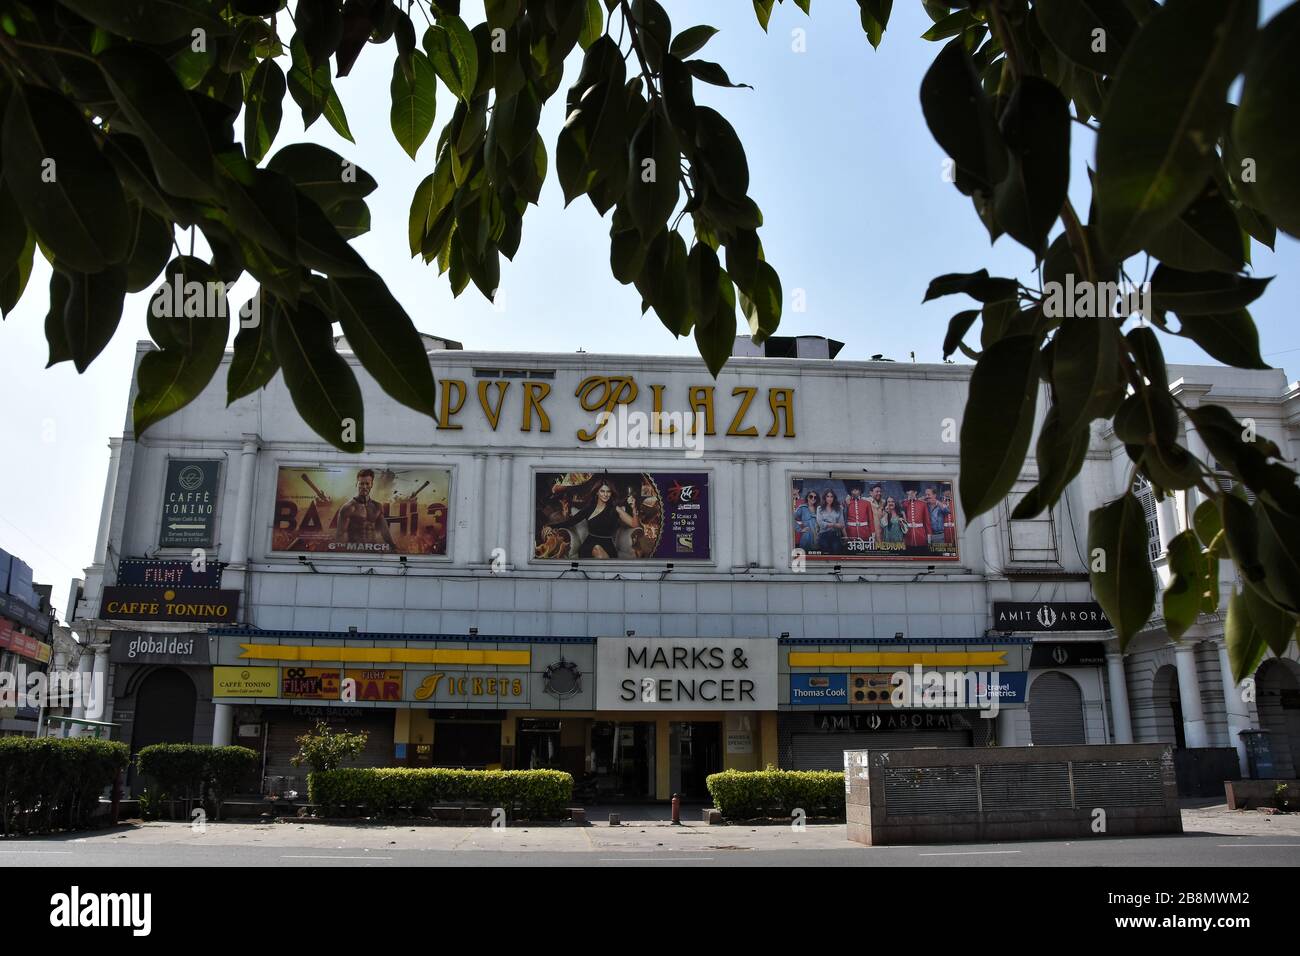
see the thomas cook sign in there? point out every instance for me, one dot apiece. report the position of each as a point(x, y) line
point(190, 605)
point(687, 674)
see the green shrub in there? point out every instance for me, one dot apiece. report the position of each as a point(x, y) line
point(49, 783)
point(744, 794)
point(191, 771)
point(380, 791)
point(324, 749)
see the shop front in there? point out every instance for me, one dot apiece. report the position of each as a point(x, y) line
point(888, 695)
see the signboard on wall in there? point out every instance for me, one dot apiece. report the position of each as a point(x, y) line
point(863, 518)
point(245, 681)
point(819, 690)
point(370, 509)
point(689, 674)
point(194, 606)
point(189, 513)
point(1049, 616)
point(623, 516)
point(146, 573)
point(447, 688)
point(135, 647)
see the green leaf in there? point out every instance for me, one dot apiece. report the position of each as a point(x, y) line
point(263, 109)
point(320, 27)
point(1060, 455)
point(335, 116)
point(960, 118)
point(163, 115)
point(1263, 129)
point(156, 21)
point(874, 15)
point(320, 247)
point(325, 176)
point(1207, 522)
point(713, 74)
point(1241, 532)
point(254, 363)
point(998, 421)
point(978, 285)
point(1036, 128)
point(150, 248)
point(1189, 582)
point(762, 303)
point(949, 26)
point(454, 55)
point(62, 184)
point(1119, 568)
point(1164, 112)
point(414, 102)
point(593, 24)
point(1231, 337)
point(1279, 551)
point(1083, 372)
point(173, 377)
point(763, 10)
point(1273, 624)
point(261, 204)
point(958, 326)
point(385, 340)
point(653, 174)
point(1246, 642)
point(691, 40)
point(320, 381)
point(309, 86)
point(1203, 293)
point(1072, 26)
point(716, 337)
point(56, 333)
point(1150, 360)
point(1206, 236)
point(14, 275)
point(719, 152)
point(93, 310)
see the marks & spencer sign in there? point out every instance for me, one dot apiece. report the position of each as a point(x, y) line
point(688, 674)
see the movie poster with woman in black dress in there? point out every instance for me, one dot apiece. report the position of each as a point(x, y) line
point(622, 516)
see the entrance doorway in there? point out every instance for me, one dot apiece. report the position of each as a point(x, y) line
point(695, 749)
point(623, 759)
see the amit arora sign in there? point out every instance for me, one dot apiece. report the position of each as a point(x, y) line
point(687, 674)
point(1049, 616)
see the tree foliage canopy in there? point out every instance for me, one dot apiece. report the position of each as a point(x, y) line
point(126, 120)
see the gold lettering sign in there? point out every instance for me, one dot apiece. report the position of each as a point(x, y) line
point(448, 407)
point(603, 393)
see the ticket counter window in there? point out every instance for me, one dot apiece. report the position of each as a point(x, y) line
point(623, 760)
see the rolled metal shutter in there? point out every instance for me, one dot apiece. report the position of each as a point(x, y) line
point(1055, 710)
point(826, 751)
point(282, 744)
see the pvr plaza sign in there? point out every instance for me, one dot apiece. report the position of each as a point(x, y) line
point(687, 674)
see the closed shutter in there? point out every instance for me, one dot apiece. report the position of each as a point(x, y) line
point(282, 744)
point(826, 751)
point(1055, 710)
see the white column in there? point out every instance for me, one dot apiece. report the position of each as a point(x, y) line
point(244, 503)
point(110, 488)
point(749, 504)
point(1234, 707)
point(491, 503)
point(83, 679)
point(739, 516)
point(765, 513)
point(1189, 694)
point(1119, 712)
point(507, 498)
point(223, 725)
point(478, 491)
point(99, 680)
point(1166, 521)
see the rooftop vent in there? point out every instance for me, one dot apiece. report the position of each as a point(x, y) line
point(788, 346)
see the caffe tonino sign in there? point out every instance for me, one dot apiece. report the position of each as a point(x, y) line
point(687, 674)
point(1049, 616)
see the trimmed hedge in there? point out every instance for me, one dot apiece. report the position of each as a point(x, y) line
point(744, 794)
point(190, 771)
point(49, 783)
point(381, 791)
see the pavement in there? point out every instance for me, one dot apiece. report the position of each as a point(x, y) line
point(1213, 836)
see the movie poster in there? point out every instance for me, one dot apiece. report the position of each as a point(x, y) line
point(362, 510)
point(622, 516)
point(860, 518)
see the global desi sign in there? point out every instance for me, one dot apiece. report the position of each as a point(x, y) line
point(189, 504)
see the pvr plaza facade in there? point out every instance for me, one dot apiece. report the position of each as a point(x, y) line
point(505, 586)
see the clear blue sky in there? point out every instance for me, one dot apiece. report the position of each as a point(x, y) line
point(856, 214)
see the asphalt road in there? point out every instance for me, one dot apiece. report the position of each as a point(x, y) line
point(818, 846)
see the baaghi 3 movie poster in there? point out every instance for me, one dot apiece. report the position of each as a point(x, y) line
point(860, 518)
point(362, 510)
point(622, 516)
